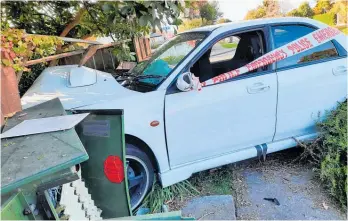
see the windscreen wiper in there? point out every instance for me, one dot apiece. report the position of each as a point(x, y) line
point(132, 79)
point(138, 77)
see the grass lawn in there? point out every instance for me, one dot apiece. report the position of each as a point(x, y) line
point(228, 45)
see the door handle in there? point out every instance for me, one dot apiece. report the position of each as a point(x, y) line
point(340, 70)
point(258, 88)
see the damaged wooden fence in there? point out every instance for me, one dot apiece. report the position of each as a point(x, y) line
point(97, 56)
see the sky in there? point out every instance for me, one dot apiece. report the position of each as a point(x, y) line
point(236, 9)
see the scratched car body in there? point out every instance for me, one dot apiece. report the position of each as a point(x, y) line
point(175, 133)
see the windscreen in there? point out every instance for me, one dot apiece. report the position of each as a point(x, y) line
point(168, 56)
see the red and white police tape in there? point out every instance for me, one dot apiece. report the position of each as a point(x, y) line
point(302, 44)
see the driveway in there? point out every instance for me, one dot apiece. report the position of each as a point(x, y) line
point(299, 193)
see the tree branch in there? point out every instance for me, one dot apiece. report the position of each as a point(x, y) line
point(66, 30)
point(72, 24)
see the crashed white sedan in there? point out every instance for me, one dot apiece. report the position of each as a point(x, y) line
point(175, 132)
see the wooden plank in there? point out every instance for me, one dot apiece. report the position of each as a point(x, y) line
point(76, 40)
point(93, 49)
point(137, 49)
point(142, 48)
point(89, 54)
point(53, 57)
point(148, 47)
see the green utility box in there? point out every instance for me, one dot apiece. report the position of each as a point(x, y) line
point(102, 134)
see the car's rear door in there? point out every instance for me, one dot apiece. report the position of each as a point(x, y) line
point(309, 83)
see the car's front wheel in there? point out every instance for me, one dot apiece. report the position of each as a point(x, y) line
point(140, 174)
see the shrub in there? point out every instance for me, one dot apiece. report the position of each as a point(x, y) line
point(333, 167)
point(28, 78)
point(329, 153)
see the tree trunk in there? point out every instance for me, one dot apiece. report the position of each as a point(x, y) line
point(66, 31)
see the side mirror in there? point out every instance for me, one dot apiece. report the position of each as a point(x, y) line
point(185, 81)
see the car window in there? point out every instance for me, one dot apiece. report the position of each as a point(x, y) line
point(287, 33)
point(229, 54)
point(224, 49)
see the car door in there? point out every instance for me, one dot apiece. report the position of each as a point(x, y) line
point(220, 118)
point(309, 83)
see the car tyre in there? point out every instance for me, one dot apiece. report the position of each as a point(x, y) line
point(140, 174)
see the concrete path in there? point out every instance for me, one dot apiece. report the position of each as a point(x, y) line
point(210, 208)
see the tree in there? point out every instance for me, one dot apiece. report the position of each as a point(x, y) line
point(259, 12)
point(272, 8)
point(304, 10)
point(322, 6)
point(223, 20)
point(190, 24)
point(293, 13)
point(340, 8)
point(269, 8)
point(120, 19)
point(210, 11)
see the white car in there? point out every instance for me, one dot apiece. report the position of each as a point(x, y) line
point(175, 133)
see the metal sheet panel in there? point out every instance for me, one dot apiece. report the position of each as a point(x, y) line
point(44, 125)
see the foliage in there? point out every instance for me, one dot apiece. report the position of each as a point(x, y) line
point(269, 8)
point(327, 18)
point(344, 29)
point(27, 79)
point(322, 6)
point(210, 11)
point(329, 152)
point(22, 47)
point(190, 24)
point(223, 20)
point(228, 44)
point(341, 9)
point(159, 196)
point(121, 19)
point(272, 8)
point(304, 10)
point(259, 12)
point(38, 17)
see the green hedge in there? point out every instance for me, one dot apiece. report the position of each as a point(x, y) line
point(327, 18)
point(333, 166)
point(329, 153)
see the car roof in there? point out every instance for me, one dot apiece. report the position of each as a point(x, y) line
point(247, 23)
